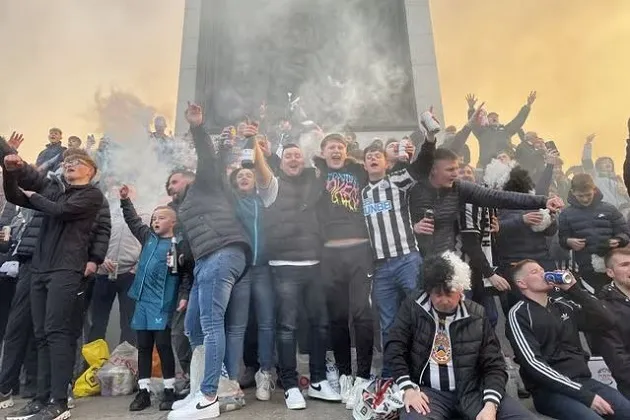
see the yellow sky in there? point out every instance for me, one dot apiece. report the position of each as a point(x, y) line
point(56, 55)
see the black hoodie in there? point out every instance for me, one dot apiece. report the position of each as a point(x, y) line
point(70, 212)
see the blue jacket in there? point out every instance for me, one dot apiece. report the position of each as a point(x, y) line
point(51, 156)
point(249, 210)
point(597, 223)
point(153, 284)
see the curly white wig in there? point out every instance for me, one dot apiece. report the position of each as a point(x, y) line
point(497, 173)
point(460, 279)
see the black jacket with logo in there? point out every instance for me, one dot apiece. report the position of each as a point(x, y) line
point(480, 372)
point(614, 344)
point(547, 345)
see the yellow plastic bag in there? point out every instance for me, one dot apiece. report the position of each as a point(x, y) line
point(96, 355)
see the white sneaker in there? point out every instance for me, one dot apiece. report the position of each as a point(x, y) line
point(199, 408)
point(197, 364)
point(323, 391)
point(264, 385)
point(356, 393)
point(332, 375)
point(6, 400)
point(294, 399)
point(345, 384)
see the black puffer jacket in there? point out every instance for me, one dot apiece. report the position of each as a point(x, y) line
point(291, 224)
point(597, 223)
point(99, 239)
point(614, 343)
point(206, 211)
point(476, 352)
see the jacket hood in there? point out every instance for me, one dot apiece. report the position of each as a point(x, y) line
point(596, 199)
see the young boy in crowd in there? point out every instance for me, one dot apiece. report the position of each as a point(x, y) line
point(155, 290)
point(591, 227)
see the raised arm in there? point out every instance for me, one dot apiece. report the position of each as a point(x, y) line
point(516, 124)
point(626, 162)
point(587, 155)
point(486, 197)
point(421, 167)
point(209, 173)
point(140, 230)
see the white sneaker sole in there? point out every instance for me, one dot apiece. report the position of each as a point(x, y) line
point(64, 416)
point(300, 406)
point(263, 396)
point(319, 396)
point(7, 403)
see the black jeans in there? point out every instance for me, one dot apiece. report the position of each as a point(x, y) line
point(299, 288)
point(181, 345)
point(103, 295)
point(19, 342)
point(347, 274)
point(162, 340)
point(54, 300)
point(442, 405)
point(7, 291)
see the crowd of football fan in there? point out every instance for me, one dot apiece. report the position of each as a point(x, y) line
point(263, 252)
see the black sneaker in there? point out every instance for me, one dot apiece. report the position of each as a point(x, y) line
point(142, 401)
point(53, 411)
point(168, 399)
point(27, 412)
point(248, 380)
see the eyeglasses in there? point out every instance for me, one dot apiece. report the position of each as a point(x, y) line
point(75, 162)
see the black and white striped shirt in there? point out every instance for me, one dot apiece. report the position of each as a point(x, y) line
point(386, 211)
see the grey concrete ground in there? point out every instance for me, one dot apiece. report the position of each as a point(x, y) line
point(118, 408)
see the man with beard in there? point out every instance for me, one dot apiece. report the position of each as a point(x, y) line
point(614, 344)
point(221, 251)
point(70, 208)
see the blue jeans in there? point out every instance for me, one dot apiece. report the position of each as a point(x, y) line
point(255, 288)
point(562, 407)
point(300, 289)
point(215, 276)
point(394, 279)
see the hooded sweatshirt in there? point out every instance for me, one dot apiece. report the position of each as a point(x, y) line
point(607, 183)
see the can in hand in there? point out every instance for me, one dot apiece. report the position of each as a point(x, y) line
point(429, 122)
point(429, 214)
point(558, 277)
point(6, 233)
point(402, 149)
point(113, 275)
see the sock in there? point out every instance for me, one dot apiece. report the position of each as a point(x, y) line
point(145, 384)
point(169, 383)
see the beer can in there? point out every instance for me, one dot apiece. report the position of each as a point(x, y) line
point(429, 122)
point(6, 231)
point(402, 149)
point(113, 275)
point(558, 277)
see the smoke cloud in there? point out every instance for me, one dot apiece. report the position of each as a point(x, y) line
point(56, 55)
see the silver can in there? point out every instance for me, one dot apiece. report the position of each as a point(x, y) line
point(6, 233)
point(113, 275)
point(429, 122)
point(402, 149)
